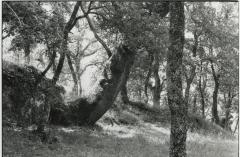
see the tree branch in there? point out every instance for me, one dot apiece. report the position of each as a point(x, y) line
point(72, 69)
point(91, 64)
point(89, 54)
point(93, 29)
point(15, 14)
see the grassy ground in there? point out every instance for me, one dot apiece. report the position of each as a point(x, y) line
point(144, 139)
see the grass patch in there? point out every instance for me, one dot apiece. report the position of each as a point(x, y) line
point(146, 140)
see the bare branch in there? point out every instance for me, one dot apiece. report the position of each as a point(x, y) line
point(109, 53)
point(15, 14)
point(88, 45)
point(74, 76)
point(91, 64)
point(89, 54)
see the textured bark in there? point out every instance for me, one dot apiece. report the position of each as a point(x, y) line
point(228, 109)
point(215, 117)
point(237, 125)
point(93, 29)
point(156, 89)
point(148, 77)
point(27, 52)
point(176, 103)
point(64, 44)
point(51, 62)
point(189, 82)
point(201, 88)
point(121, 62)
point(193, 69)
point(74, 76)
point(124, 92)
point(194, 110)
point(61, 59)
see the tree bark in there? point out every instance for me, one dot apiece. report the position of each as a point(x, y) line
point(148, 77)
point(194, 110)
point(156, 89)
point(63, 49)
point(176, 103)
point(237, 124)
point(193, 68)
point(69, 25)
point(51, 62)
point(216, 77)
point(124, 93)
point(121, 61)
point(228, 109)
point(74, 76)
point(201, 88)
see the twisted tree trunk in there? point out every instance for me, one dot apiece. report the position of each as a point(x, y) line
point(121, 62)
point(176, 103)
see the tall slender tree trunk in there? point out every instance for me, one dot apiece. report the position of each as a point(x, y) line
point(124, 93)
point(194, 109)
point(64, 44)
point(148, 77)
point(237, 125)
point(193, 68)
point(74, 75)
point(228, 108)
point(64, 48)
point(201, 88)
point(27, 59)
point(216, 77)
point(27, 53)
point(176, 103)
point(156, 89)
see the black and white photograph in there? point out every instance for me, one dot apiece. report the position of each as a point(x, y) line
point(120, 78)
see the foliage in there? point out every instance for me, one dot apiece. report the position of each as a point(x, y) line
point(19, 83)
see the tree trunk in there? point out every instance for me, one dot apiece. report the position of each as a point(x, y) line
point(176, 103)
point(51, 62)
point(148, 77)
point(215, 117)
point(64, 44)
point(121, 62)
point(74, 76)
point(124, 93)
point(216, 77)
point(27, 53)
point(194, 110)
point(156, 89)
point(201, 88)
point(193, 68)
point(27, 59)
point(187, 90)
point(63, 49)
point(237, 124)
point(228, 108)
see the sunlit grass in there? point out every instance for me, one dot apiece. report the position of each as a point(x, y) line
point(118, 140)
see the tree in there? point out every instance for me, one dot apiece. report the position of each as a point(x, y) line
point(177, 106)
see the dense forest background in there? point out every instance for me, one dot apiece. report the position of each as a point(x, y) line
point(175, 64)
